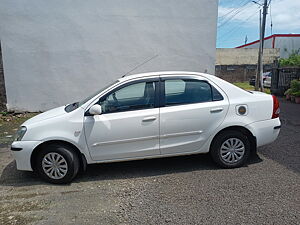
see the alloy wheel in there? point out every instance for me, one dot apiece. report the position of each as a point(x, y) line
point(54, 165)
point(232, 150)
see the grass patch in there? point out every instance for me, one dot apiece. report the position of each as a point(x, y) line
point(9, 123)
point(244, 85)
point(248, 87)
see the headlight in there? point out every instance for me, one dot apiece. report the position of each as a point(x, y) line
point(20, 133)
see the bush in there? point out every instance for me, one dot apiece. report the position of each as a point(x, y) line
point(295, 88)
point(288, 92)
point(292, 60)
point(295, 85)
point(296, 94)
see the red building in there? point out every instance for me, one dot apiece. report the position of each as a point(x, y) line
point(287, 43)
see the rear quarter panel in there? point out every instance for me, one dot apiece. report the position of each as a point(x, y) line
point(259, 105)
point(259, 108)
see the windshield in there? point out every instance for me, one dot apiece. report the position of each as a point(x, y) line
point(95, 93)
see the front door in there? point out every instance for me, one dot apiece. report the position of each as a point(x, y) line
point(129, 124)
point(191, 111)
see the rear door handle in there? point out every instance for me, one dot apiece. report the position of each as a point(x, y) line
point(216, 110)
point(148, 119)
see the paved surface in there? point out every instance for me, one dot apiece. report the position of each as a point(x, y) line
point(180, 190)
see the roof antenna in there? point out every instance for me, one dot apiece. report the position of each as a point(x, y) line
point(147, 60)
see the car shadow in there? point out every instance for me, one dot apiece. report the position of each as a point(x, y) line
point(122, 170)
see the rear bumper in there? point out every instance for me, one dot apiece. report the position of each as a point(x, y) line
point(265, 131)
point(21, 151)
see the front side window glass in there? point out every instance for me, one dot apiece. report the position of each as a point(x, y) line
point(132, 97)
point(94, 94)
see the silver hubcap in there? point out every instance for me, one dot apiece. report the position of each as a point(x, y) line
point(232, 150)
point(55, 165)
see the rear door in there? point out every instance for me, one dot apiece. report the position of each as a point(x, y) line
point(191, 109)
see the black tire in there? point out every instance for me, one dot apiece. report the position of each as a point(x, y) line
point(70, 159)
point(234, 137)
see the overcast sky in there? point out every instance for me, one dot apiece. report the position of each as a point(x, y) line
point(238, 18)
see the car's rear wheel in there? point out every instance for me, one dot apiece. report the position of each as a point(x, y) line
point(230, 149)
point(57, 163)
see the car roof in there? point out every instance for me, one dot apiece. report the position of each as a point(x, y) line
point(229, 89)
point(160, 73)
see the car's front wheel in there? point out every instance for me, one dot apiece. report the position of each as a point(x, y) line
point(57, 163)
point(230, 149)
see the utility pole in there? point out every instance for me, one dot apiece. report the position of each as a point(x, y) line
point(262, 24)
point(258, 69)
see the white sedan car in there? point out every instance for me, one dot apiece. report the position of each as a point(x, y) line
point(148, 115)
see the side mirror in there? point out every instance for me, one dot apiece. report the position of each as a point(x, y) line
point(95, 110)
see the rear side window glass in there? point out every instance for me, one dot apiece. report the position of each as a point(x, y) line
point(216, 94)
point(178, 92)
point(174, 87)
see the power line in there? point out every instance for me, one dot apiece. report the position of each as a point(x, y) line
point(236, 27)
point(237, 11)
point(234, 9)
point(269, 3)
point(225, 37)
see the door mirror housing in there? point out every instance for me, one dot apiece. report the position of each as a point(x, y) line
point(95, 110)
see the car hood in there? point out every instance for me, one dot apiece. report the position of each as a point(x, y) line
point(46, 115)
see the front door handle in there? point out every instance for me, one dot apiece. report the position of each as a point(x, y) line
point(148, 119)
point(216, 110)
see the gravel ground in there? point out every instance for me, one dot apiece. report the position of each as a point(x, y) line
point(179, 190)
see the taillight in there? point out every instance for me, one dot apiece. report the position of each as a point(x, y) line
point(276, 109)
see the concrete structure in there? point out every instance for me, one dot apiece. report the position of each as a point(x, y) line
point(239, 64)
point(287, 43)
point(244, 56)
point(57, 52)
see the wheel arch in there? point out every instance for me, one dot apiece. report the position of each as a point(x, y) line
point(81, 156)
point(243, 130)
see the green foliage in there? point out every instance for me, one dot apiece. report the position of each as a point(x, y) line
point(295, 88)
point(293, 60)
point(244, 85)
point(296, 94)
point(295, 85)
point(248, 87)
point(288, 92)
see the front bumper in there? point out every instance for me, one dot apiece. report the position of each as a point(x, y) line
point(265, 131)
point(21, 151)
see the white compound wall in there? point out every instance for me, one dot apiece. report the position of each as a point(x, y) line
point(59, 51)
